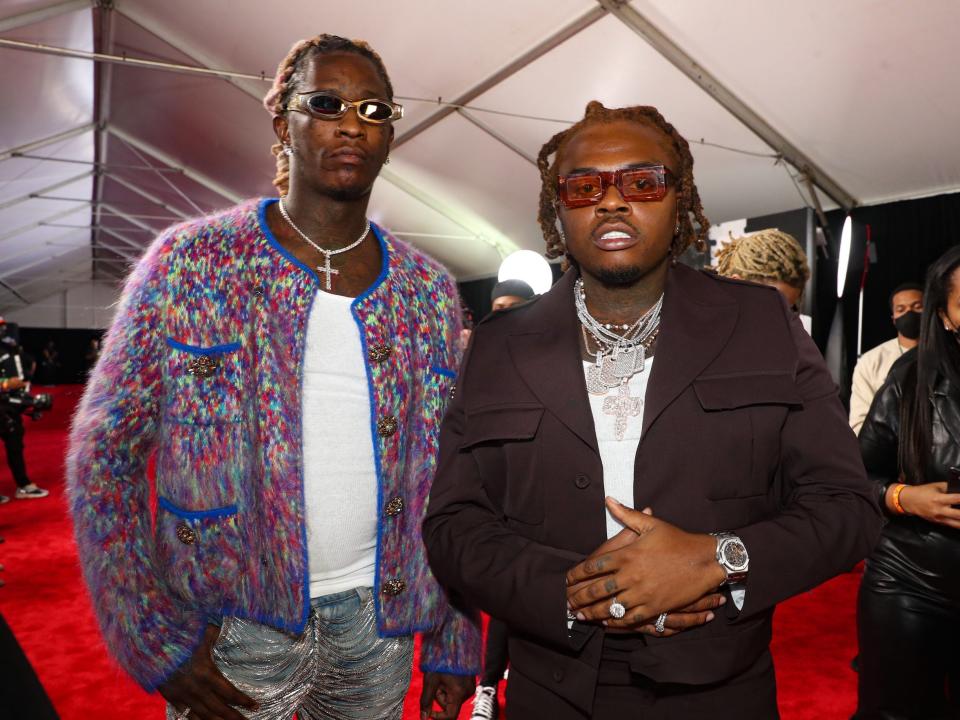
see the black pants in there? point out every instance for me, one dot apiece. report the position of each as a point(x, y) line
point(909, 625)
point(495, 658)
point(11, 430)
point(623, 695)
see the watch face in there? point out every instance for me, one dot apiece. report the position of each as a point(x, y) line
point(735, 555)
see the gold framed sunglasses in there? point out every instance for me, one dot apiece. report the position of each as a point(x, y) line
point(325, 105)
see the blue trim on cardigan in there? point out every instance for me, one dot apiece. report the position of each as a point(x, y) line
point(384, 267)
point(374, 437)
point(446, 372)
point(268, 234)
point(197, 350)
point(225, 511)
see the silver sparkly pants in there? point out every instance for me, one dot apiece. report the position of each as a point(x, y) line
point(338, 669)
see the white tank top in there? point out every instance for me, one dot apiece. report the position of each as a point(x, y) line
point(340, 479)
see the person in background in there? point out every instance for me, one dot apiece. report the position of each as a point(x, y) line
point(49, 363)
point(92, 353)
point(14, 378)
point(909, 604)
point(508, 293)
point(906, 306)
point(770, 257)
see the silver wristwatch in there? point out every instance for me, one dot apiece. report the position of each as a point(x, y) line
point(733, 557)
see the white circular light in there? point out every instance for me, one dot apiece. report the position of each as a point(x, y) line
point(528, 266)
point(843, 262)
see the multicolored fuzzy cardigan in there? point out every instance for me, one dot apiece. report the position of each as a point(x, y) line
point(230, 533)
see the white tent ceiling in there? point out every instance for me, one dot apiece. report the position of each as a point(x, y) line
point(859, 95)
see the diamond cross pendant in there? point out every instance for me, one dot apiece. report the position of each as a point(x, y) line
point(622, 407)
point(328, 270)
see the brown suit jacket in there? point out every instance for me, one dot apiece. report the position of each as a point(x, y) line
point(742, 431)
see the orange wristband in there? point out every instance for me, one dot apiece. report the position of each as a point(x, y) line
point(896, 499)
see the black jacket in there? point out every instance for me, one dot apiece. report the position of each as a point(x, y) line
point(881, 430)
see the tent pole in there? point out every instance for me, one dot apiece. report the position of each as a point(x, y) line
point(497, 136)
point(43, 142)
point(540, 49)
point(45, 13)
point(629, 16)
point(35, 195)
point(167, 160)
point(147, 196)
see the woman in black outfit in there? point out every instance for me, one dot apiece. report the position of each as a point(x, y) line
point(909, 605)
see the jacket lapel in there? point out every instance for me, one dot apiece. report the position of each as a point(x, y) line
point(546, 353)
point(698, 318)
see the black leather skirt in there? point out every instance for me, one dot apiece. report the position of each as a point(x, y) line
point(909, 624)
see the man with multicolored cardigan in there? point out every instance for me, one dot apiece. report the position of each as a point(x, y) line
point(287, 364)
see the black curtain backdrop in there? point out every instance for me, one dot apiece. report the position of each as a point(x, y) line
point(72, 346)
point(907, 237)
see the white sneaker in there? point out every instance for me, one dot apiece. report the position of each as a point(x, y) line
point(30, 491)
point(485, 705)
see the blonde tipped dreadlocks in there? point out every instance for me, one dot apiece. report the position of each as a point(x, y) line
point(764, 256)
point(291, 72)
point(688, 198)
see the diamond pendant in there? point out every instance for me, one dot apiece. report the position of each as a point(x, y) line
point(607, 377)
point(595, 384)
point(623, 366)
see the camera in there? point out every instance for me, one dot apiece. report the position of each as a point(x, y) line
point(22, 401)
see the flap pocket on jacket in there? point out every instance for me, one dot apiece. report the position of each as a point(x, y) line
point(203, 383)
point(199, 551)
point(728, 392)
point(743, 413)
point(501, 423)
point(502, 440)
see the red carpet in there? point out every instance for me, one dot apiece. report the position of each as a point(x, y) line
point(46, 605)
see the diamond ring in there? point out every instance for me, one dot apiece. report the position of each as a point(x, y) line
point(617, 610)
point(661, 623)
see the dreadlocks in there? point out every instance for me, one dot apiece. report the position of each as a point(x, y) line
point(764, 256)
point(688, 198)
point(293, 70)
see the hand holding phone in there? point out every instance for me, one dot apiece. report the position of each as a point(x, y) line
point(953, 482)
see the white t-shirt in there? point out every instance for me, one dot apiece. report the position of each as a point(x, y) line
point(618, 455)
point(339, 475)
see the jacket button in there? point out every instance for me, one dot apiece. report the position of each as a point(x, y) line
point(379, 353)
point(387, 426)
point(258, 291)
point(203, 366)
point(558, 675)
point(581, 481)
point(394, 507)
point(394, 587)
point(185, 534)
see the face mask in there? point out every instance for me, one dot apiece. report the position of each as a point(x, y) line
point(908, 325)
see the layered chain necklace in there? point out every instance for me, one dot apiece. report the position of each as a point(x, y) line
point(326, 269)
point(619, 356)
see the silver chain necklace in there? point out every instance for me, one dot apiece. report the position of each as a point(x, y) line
point(619, 357)
point(327, 254)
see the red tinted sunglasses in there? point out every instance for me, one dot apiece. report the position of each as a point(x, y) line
point(638, 184)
